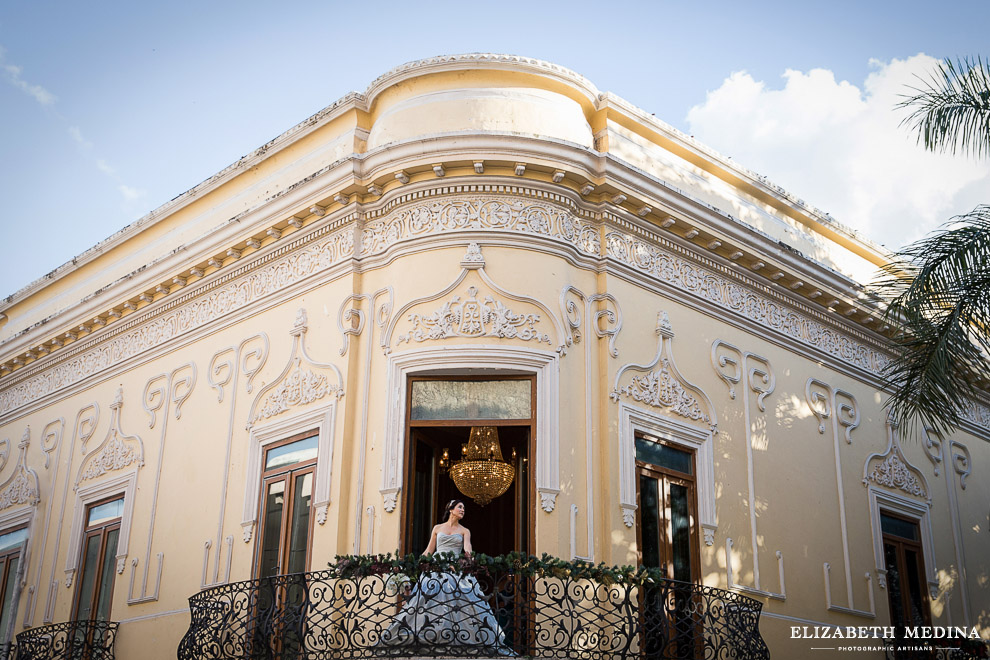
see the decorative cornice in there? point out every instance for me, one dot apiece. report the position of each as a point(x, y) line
point(444, 210)
point(227, 294)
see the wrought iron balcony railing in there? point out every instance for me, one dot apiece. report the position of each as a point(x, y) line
point(72, 640)
point(373, 607)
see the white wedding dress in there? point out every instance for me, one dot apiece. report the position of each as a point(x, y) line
point(447, 610)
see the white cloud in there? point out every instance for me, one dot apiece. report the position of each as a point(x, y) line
point(78, 137)
point(130, 194)
point(12, 73)
point(841, 147)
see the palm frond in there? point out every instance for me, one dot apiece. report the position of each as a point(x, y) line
point(939, 297)
point(951, 109)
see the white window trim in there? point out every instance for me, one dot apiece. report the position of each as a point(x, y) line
point(913, 510)
point(8, 520)
point(633, 420)
point(126, 485)
point(321, 420)
point(476, 360)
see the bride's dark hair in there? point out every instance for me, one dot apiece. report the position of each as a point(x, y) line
point(447, 509)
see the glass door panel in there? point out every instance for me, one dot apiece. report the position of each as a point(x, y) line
point(8, 570)
point(299, 523)
point(650, 522)
point(271, 535)
point(90, 575)
point(680, 532)
point(107, 571)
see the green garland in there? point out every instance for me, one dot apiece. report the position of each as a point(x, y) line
point(481, 565)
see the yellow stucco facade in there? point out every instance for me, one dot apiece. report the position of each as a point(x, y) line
point(647, 286)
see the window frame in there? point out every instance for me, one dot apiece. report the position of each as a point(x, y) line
point(288, 472)
point(20, 551)
point(103, 530)
point(667, 476)
point(901, 543)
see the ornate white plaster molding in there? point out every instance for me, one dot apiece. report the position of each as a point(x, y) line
point(713, 287)
point(823, 400)
point(523, 212)
point(202, 307)
point(761, 380)
point(471, 318)
point(22, 486)
point(117, 451)
point(51, 438)
point(4, 452)
point(175, 389)
point(606, 319)
point(350, 311)
point(842, 411)
point(227, 366)
point(471, 213)
point(600, 311)
point(663, 386)
point(891, 469)
point(297, 385)
point(161, 392)
point(450, 359)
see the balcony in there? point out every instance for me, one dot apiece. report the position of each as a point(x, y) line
point(379, 606)
point(92, 640)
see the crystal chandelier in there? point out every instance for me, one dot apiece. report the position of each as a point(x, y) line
point(482, 474)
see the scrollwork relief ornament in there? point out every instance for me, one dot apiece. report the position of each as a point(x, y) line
point(962, 462)
point(178, 386)
point(892, 470)
point(298, 384)
point(227, 364)
point(663, 386)
point(117, 451)
point(22, 486)
point(301, 387)
point(602, 310)
point(826, 401)
point(469, 317)
point(548, 500)
point(51, 437)
point(480, 212)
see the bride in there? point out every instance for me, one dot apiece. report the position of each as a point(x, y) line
point(447, 609)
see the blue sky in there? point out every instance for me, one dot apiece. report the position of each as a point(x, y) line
point(110, 109)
